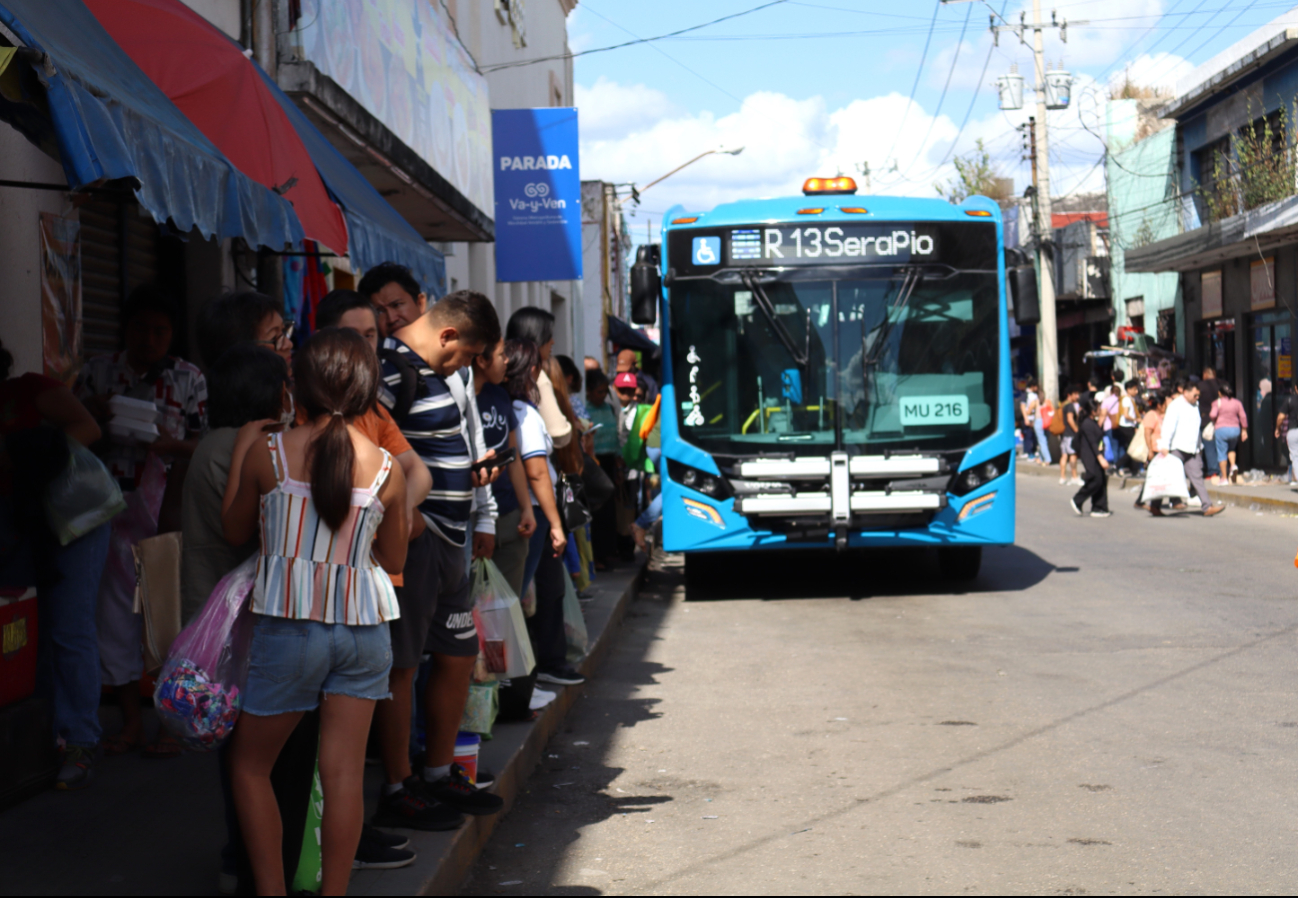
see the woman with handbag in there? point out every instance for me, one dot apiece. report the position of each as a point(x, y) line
point(545, 552)
point(39, 421)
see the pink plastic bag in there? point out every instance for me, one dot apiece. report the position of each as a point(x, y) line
point(200, 688)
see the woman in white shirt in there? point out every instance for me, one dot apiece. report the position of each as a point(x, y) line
point(544, 556)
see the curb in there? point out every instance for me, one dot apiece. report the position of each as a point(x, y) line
point(1239, 500)
point(445, 859)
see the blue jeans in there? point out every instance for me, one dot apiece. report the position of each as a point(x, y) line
point(293, 662)
point(1226, 439)
point(651, 514)
point(1043, 445)
point(68, 650)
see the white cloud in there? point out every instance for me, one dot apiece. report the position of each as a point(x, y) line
point(612, 110)
point(1161, 70)
point(787, 140)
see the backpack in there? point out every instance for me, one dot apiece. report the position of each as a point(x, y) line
point(1056, 425)
point(1046, 412)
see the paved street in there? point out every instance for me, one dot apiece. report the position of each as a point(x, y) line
point(1109, 708)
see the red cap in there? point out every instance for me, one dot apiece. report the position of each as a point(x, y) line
point(625, 380)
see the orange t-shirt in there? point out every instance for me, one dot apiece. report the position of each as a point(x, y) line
point(382, 431)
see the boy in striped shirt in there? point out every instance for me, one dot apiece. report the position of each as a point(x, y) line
point(436, 606)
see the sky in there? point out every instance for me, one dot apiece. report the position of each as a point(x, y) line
point(836, 86)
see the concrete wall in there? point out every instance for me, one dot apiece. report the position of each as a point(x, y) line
point(224, 14)
point(20, 208)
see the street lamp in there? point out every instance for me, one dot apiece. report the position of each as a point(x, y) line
point(635, 194)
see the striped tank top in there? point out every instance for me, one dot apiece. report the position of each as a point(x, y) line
point(307, 571)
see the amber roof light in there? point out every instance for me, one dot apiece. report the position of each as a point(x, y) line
point(854, 210)
point(980, 213)
point(687, 220)
point(828, 185)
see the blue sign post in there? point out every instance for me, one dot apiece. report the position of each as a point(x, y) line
point(538, 194)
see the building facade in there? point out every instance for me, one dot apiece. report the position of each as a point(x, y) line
point(1235, 250)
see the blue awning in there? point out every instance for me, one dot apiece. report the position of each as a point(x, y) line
point(376, 232)
point(112, 122)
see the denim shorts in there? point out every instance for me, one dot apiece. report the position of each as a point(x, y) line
point(294, 661)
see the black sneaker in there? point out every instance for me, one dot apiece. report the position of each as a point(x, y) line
point(484, 780)
point(383, 837)
point(457, 792)
point(373, 854)
point(76, 770)
point(560, 676)
point(408, 809)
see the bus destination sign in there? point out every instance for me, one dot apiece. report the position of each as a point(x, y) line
point(820, 245)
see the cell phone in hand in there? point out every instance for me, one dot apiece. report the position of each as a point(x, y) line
point(591, 429)
point(496, 461)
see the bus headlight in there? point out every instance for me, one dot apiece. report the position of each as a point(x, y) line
point(968, 481)
point(708, 484)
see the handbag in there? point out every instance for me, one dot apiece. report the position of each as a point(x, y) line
point(1138, 449)
point(1210, 431)
point(157, 594)
point(570, 494)
point(599, 486)
point(81, 498)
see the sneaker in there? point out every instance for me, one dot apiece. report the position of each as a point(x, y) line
point(454, 790)
point(1072, 503)
point(76, 771)
point(1101, 514)
point(383, 837)
point(1063, 481)
point(408, 809)
point(1076, 481)
point(560, 676)
point(373, 854)
point(484, 780)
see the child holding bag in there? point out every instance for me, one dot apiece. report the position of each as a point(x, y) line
point(333, 526)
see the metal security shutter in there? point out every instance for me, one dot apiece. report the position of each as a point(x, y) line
point(119, 251)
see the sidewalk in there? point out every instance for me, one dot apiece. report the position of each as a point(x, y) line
point(1276, 498)
point(156, 827)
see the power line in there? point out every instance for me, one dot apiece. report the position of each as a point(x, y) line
point(955, 58)
point(642, 40)
point(914, 87)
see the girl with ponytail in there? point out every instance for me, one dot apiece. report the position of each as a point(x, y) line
point(330, 509)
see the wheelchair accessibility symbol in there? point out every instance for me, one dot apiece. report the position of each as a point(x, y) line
point(707, 250)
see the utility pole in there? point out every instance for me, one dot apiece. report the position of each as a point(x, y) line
point(1049, 343)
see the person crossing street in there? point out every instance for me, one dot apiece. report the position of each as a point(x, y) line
point(1181, 436)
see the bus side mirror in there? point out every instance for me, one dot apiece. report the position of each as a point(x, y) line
point(1023, 294)
point(646, 285)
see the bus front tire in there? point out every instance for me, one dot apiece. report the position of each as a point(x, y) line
point(960, 562)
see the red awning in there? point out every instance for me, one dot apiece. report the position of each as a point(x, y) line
point(220, 90)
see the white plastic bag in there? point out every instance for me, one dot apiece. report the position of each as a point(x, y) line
point(84, 496)
point(574, 622)
point(199, 692)
point(502, 629)
point(1165, 479)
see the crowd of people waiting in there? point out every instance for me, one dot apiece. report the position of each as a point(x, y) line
point(366, 467)
point(1112, 425)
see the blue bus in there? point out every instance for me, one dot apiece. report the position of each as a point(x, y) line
point(836, 374)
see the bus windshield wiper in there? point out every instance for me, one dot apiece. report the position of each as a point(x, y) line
point(871, 352)
point(800, 357)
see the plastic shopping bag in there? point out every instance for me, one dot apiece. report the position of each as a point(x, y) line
point(574, 624)
point(1165, 479)
point(502, 629)
point(200, 689)
point(81, 498)
point(481, 709)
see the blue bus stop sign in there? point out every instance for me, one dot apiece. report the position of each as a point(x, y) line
point(538, 194)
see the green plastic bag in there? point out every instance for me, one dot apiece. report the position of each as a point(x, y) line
point(481, 709)
point(574, 624)
point(310, 872)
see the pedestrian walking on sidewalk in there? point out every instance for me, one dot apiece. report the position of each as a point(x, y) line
point(1152, 425)
point(1033, 418)
point(1067, 451)
point(1128, 421)
point(1230, 428)
point(1182, 437)
point(321, 604)
point(1090, 450)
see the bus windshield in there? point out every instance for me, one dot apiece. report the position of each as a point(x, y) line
point(866, 358)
